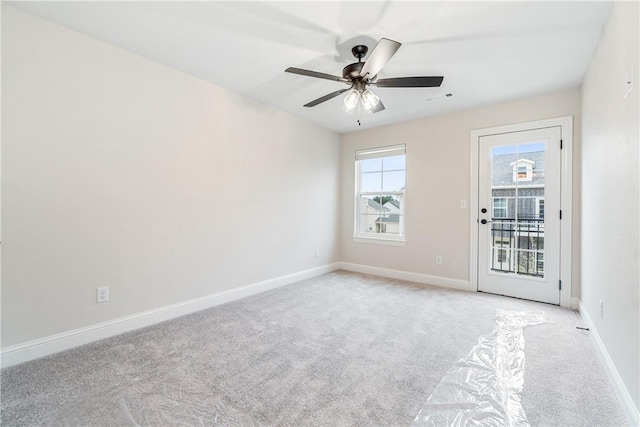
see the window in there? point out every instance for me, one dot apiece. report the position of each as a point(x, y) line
point(540, 263)
point(504, 242)
point(380, 191)
point(499, 207)
point(522, 170)
point(540, 210)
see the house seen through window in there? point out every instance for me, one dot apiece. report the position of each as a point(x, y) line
point(380, 188)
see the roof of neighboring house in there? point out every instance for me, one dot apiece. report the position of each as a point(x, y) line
point(389, 218)
point(377, 206)
point(502, 168)
point(394, 203)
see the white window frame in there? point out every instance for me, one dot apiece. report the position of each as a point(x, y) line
point(378, 238)
point(506, 207)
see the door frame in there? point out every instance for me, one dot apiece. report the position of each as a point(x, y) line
point(566, 197)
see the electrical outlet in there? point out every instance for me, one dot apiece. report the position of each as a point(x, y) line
point(438, 259)
point(317, 253)
point(601, 309)
point(102, 294)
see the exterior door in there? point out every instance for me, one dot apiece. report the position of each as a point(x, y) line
point(519, 214)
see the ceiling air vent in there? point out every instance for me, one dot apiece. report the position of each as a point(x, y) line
point(433, 98)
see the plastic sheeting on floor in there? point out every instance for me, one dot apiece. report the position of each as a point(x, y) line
point(484, 387)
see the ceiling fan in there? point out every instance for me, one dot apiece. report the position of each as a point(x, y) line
point(360, 75)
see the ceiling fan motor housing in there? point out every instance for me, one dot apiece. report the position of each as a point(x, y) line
point(352, 71)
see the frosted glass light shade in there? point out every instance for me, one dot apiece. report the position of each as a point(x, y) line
point(351, 100)
point(369, 99)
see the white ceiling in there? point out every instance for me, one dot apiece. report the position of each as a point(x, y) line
point(486, 51)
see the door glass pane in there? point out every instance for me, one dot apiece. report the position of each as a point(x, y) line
point(517, 191)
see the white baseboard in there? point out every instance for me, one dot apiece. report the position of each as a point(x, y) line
point(575, 303)
point(628, 406)
point(30, 350)
point(405, 275)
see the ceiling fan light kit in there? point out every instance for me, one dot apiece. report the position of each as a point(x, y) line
point(359, 93)
point(351, 100)
point(369, 99)
point(360, 75)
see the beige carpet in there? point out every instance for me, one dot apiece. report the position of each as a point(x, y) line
point(340, 349)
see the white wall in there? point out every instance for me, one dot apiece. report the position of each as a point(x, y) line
point(120, 172)
point(117, 171)
point(438, 177)
point(611, 194)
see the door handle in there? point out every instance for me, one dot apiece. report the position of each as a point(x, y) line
point(484, 221)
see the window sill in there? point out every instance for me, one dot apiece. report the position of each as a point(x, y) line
point(380, 241)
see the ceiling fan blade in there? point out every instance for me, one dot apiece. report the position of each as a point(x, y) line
point(410, 82)
point(379, 107)
point(317, 74)
point(325, 98)
point(382, 53)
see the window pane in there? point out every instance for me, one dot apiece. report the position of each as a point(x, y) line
point(370, 205)
point(502, 205)
point(502, 161)
point(526, 207)
point(394, 163)
point(528, 264)
point(390, 223)
point(502, 260)
point(369, 223)
point(371, 182)
point(538, 176)
point(391, 203)
point(371, 165)
point(393, 181)
point(541, 209)
point(531, 147)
